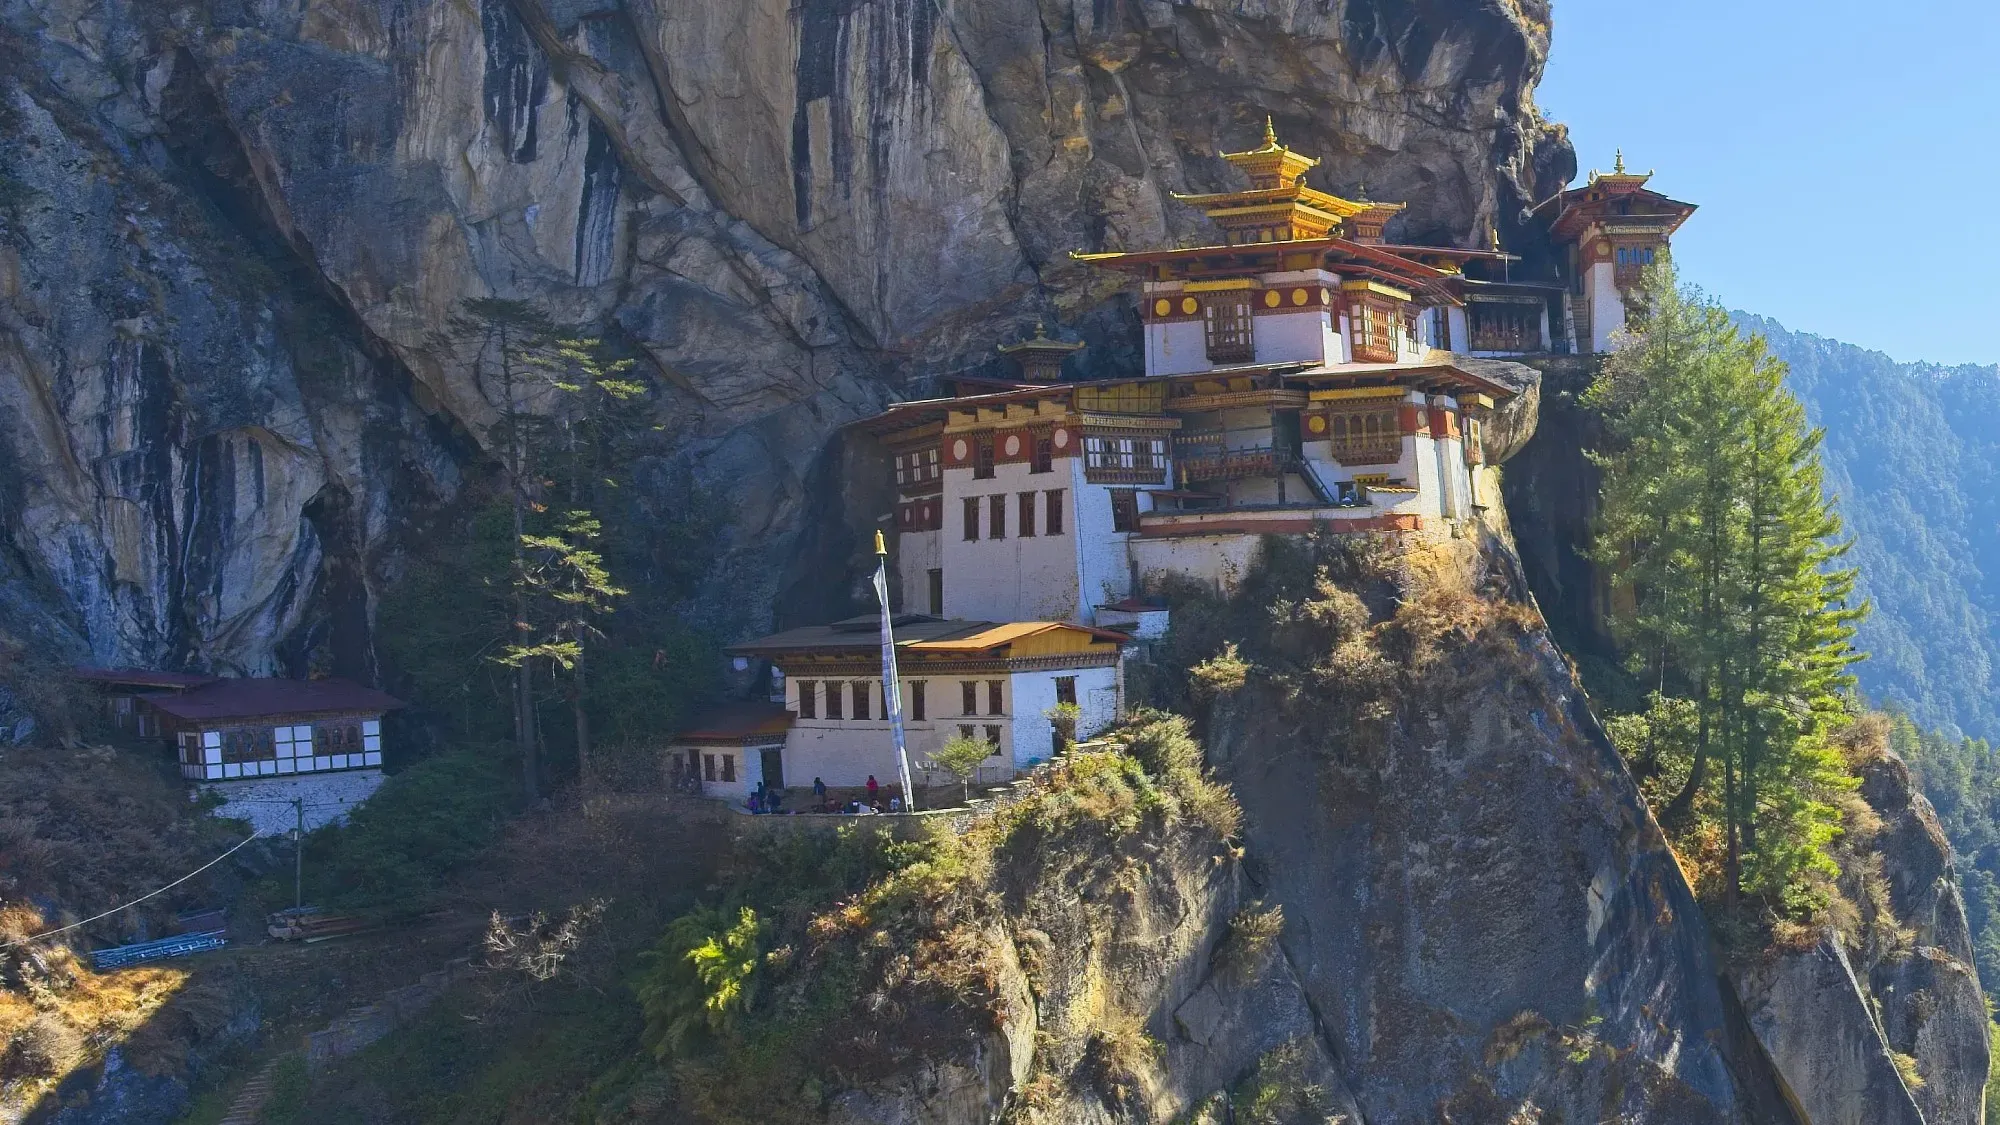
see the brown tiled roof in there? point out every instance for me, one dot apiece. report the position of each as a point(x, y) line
point(736, 722)
point(271, 698)
point(140, 677)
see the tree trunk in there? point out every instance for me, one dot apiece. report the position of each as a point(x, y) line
point(584, 776)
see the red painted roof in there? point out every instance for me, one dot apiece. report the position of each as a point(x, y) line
point(140, 677)
point(272, 698)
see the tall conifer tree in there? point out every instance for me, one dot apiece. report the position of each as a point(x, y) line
point(1724, 552)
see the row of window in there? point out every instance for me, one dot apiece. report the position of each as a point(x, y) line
point(1024, 524)
point(985, 455)
point(1635, 256)
point(917, 468)
point(253, 744)
point(854, 699)
point(1124, 453)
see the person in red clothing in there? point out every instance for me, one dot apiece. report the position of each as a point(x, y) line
point(874, 787)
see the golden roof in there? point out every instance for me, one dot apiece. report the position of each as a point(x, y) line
point(1040, 342)
point(1278, 206)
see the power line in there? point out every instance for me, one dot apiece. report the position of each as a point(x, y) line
point(134, 902)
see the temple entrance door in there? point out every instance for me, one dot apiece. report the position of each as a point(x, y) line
point(774, 767)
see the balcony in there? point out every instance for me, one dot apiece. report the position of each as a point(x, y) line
point(1368, 449)
point(1204, 457)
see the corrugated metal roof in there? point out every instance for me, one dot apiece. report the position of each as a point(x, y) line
point(272, 698)
point(733, 722)
point(917, 634)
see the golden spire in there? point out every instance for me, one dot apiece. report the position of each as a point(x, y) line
point(1618, 169)
point(1270, 133)
point(1496, 239)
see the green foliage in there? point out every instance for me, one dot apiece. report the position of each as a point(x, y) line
point(1220, 674)
point(1724, 552)
point(961, 756)
point(698, 980)
point(1962, 779)
point(426, 822)
point(1920, 478)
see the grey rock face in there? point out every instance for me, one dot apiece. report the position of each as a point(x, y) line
point(1485, 916)
point(1813, 1020)
point(231, 230)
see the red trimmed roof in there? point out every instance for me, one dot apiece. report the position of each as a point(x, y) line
point(140, 677)
point(272, 698)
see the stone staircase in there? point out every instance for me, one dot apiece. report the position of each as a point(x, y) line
point(249, 1103)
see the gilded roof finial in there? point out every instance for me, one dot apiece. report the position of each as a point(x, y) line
point(1041, 329)
point(1496, 239)
point(1361, 192)
point(1270, 133)
point(1619, 168)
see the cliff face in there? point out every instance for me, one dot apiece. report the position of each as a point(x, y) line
point(229, 233)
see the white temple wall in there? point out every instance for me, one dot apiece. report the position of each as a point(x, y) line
point(917, 553)
point(1304, 336)
point(1176, 347)
point(1461, 330)
point(1220, 560)
point(1104, 570)
point(1013, 578)
point(1034, 694)
point(1607, 306)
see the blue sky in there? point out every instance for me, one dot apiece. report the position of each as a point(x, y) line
point(1846, 156)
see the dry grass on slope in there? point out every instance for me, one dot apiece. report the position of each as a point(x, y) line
point(81, 831)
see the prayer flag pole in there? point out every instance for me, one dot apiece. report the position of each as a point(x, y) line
point(892, 692)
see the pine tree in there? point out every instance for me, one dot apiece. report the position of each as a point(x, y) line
point(1725, 551)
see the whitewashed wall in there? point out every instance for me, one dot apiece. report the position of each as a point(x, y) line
point(1034, 694)
point(917, 552)
point(1607, 306)
point(1012, 579)
point(266, 801)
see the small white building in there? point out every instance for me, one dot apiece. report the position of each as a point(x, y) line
point(264, 744)
point(1000, 683)
point(1610, 229)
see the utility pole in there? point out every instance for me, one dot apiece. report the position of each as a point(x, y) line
point(299, 853)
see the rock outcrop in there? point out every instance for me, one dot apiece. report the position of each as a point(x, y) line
point(229, 234)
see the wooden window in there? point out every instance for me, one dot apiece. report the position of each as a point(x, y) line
point(1365, 437)
point(1124, 509)
point(965, 730)
point(1376, 331)
point(936, 577)
point(861, 694)
point(1066, 689)
point(708, 770)
point(1045, 455)
point(972, 519)
point(729, 767)
point(1027, 521)
point(996, 517)
point(1507, 327)
point(968, 698)
point(833, 699)
point(994, 689)
point(993, 737)
point(1228, 325)
point(917, 700)
point(1054, 511)
point(982, 457)
point(808, 699)
point(250, 745)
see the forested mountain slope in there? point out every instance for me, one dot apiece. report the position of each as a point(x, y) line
point(1915, 465)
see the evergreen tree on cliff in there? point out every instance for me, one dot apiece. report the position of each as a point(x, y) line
point(1724, 552)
